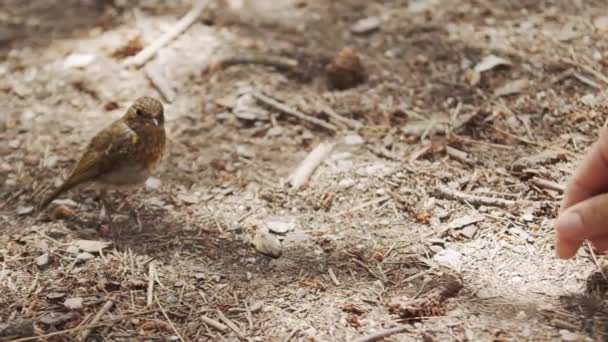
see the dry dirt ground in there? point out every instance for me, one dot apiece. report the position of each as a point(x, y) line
point(452, 158)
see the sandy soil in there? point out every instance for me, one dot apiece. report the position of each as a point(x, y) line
point(493, 100)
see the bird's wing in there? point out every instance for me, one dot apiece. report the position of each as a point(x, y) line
point(106, 149)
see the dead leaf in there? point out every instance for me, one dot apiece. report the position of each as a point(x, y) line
point(353, 308)
point(188, 199)
point(490, 62)
point(155, 324)
point(73, 303)
point(513, 87)
point(465, 221)
point(91, 246)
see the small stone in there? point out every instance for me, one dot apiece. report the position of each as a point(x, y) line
point(78, 60)
point(24, 210)
point(73, 303)
point(569, 336)
point(527, 217)
point(179, 283)
point(256, 306)
point(188, 198)
point(301, 293)
point(275, 131)
point(55, 295)
point(248, 276)
point(346, 183)
point(601, 23)
point(394, 52)
point(353, 139)
point(91, 246)
point(199, 276)
point(43, 260)
point(366, 25)
point(245, 151)
point(448, 258)
point(84, 256)
point(469, 231)
point(72, 249)
point(153, 183)
point(280, 225)
point(31, 160)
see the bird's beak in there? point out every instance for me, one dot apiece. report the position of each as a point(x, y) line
point(155, 122)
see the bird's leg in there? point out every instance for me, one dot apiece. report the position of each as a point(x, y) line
point(104, 216)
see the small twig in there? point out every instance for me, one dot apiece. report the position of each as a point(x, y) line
point(82, 327)
point(350, 123)
point(547, 184)
point(473, 199)
point(184, 23)
point(280, 63)
point(377, 336)
point(458, 155)
point(169, 320)
point(333, 277)
point(230, 324)
point(160, 83)
point(214, 324)
point(151, 277)
point(595, 261)
point(381, 151)
point(293, 333)
point(587, 68)
point(481, 142)
point(104, 310)
point(290, 111)
point(309, 164)
point(364, 205)
point(247, 214)
point(369, 269)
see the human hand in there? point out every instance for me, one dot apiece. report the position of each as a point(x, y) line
point(583, 214)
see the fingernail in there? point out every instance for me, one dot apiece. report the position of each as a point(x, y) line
point(569, 221)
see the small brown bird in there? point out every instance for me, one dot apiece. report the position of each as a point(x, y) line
point(124, 153)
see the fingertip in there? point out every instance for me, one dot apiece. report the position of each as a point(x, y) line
point(569, 226)
point(567, 249)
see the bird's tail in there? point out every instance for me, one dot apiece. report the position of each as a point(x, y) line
point(51, 197)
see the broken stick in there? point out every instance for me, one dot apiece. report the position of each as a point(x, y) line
point(377, 336)
point(290, 111)
point(473, 199)
point(214, 324)
point(547, 184)
point(151, 277)
point(104, 310)
point(144, 55)
point(309, 164)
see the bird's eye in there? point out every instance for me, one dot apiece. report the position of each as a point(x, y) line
point(140, 112)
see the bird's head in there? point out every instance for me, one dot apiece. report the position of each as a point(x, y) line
point(145, 112)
